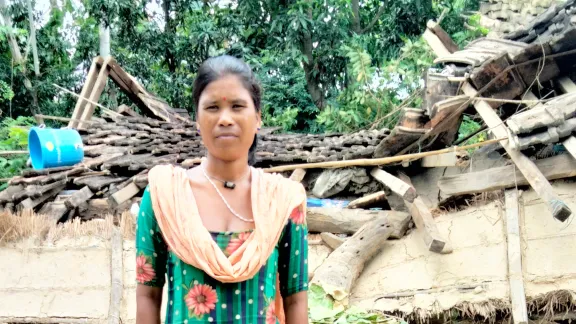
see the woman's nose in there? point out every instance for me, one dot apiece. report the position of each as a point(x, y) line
point(226, 118)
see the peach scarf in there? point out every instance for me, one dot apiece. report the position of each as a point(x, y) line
point(273, 199)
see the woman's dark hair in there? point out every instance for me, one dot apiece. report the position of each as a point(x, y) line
point(217, 67)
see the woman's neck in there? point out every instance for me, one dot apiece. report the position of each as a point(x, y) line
point(226, 171)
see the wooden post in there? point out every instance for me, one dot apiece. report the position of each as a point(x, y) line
point(116, 274)
point(538, 182)
point(515, 276)
point(401, 188)
point(424, 221)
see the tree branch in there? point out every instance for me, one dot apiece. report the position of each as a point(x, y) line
point(376, 17)
point(356, 16)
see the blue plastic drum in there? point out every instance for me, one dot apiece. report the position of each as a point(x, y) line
point(50, 148)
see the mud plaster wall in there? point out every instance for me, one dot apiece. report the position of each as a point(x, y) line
point(477, 270)
point(71, 279)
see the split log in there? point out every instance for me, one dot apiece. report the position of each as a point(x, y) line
point(398, 186)
point(424, 221)
point(338, 273)
point(332, 240)
point(86, 89)
point(368, 200)
point(349, 221)
point(79, 197)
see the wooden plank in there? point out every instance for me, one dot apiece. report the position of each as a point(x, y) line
point(515, 276)
point(97, 90)
point(556, 167)
point(298, 175)
point(368, 200)
point(77, 198)
point(86, 90)
point(537, 180)
point(435, 43)
point(124, 194)
point(399, 187)
point(53, 210)
point(443, 36)
point(424, 221)
point(441, 160)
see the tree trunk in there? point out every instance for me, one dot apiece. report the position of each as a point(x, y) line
point(312, 83)
point(356, 16)
point(104, 35)
point(33, 38)
point(169, 30)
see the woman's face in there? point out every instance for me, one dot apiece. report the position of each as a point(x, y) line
point(227, 119)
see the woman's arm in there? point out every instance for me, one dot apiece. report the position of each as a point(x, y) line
point(148, 304)
point(296, 308)
point(151, 259)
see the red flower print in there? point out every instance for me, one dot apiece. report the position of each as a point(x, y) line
point(297, 216)
point(235, 243)
point(201, 299)
point(144, 270)
point(271, 313)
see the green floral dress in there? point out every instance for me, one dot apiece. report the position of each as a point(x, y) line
point(195, 297)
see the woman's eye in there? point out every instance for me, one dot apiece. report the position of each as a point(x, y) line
point(211, 108)
point(237, 106)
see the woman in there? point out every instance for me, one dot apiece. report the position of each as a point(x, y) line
point(229, 240)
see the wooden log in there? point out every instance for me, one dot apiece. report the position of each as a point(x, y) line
point(349, 221)
point(399, 187)
point(435, 43)
point(556, 167)
point(424, 221)
point(368, 200)
point(86, 90)
point(97, 183)
point(79, 197)
point(337, 274)
point(515, 275)
point(7, 194)
point(557, 207)
point(298, 175)
point(332, 240)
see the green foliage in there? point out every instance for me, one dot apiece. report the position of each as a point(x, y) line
point(13, 137)
point(322, 309)
point(6, 92)
point(468, 127)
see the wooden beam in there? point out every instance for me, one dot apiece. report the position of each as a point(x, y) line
point(86, 90)
point(399, 187)
point(567, 86)
point(515, 276)
point(537, 180)
point(424, 221)
point(97, 90)
point(435, 43)
point(298, 175)
point(557, 207)
point(368, 200)
point(556, 167)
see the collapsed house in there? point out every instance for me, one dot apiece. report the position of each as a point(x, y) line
point(395, 239)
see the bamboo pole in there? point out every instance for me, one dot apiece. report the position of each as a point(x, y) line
point(380, 161)
point(12, 152)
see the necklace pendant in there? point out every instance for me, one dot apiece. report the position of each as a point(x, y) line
point(229, 185)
